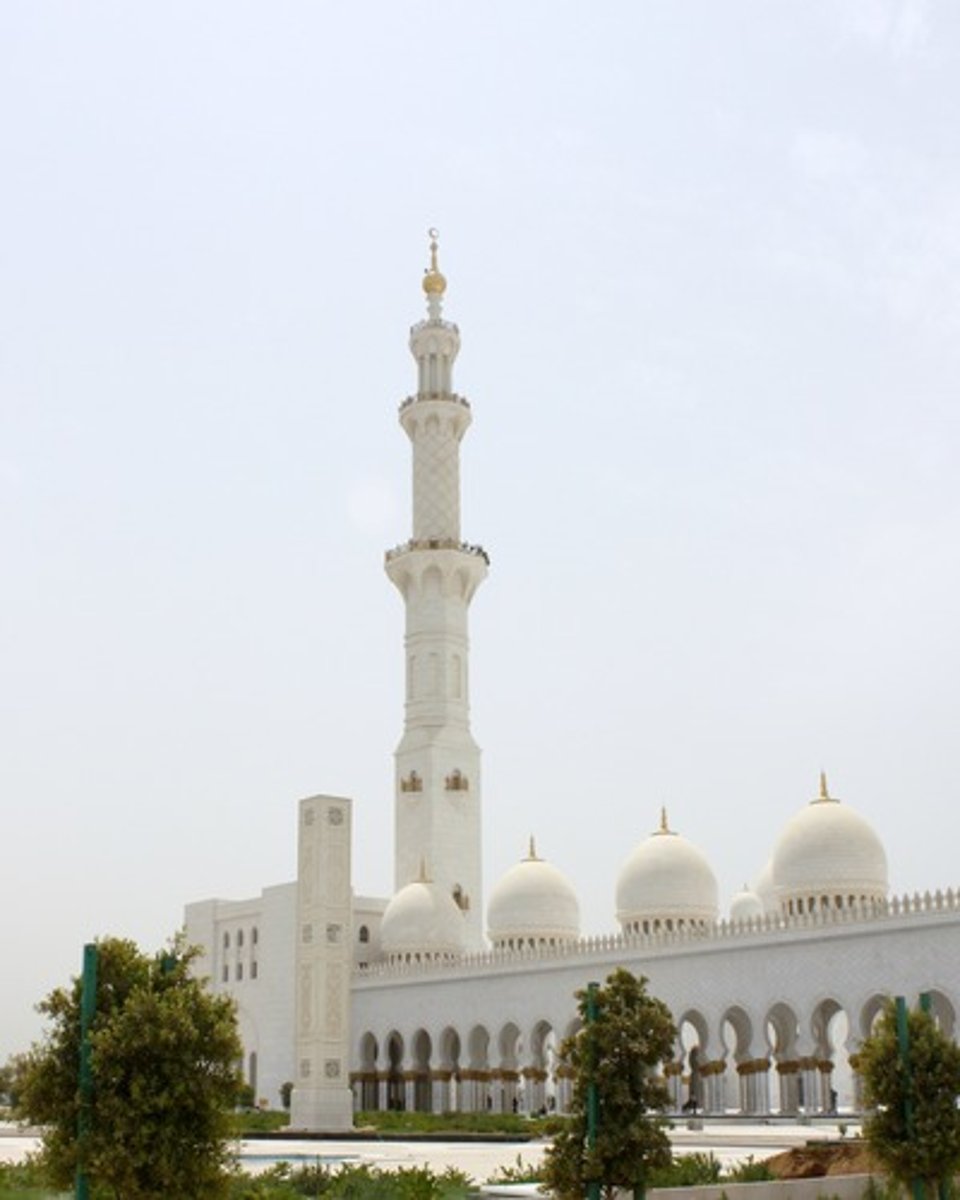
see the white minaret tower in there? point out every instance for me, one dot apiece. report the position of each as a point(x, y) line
point(437, 760)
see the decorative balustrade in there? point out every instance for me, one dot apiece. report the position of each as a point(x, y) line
point(917, 905)
point(437, 544)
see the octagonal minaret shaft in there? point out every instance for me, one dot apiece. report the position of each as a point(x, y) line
point(437, 807)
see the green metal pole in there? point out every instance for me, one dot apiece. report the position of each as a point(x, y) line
point(88, 1008)
point(593, 1098)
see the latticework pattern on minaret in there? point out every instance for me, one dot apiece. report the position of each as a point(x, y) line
point(436, 483)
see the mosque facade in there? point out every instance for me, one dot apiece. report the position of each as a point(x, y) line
point(427, 1000)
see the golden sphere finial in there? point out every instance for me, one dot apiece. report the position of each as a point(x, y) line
point(434, 283)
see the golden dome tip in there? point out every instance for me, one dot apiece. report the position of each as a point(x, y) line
point(434, 283)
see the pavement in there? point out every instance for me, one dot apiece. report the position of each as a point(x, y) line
point(729, 1141)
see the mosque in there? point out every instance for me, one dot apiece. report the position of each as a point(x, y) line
point(427, 1000)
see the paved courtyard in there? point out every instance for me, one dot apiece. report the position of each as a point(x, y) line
point(729, 1142)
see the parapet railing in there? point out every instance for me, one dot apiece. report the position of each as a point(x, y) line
point(438, 544)
point(916, 904)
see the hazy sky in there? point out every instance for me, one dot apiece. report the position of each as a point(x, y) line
point(705, 260)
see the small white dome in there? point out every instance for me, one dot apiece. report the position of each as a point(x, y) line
point(764, 889)
point(828, 857)
point(666, 883)
point(533, 904)
point(746, 906)
point(422, 922)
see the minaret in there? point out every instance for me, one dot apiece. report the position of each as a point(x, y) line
point(437, 810)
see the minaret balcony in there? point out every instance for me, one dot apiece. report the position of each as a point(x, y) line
point(436, 544)
point(449, 397)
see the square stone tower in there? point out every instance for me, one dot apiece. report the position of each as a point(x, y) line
point(322, 1100)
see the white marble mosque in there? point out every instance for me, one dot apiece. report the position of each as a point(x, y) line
point(427, 1000)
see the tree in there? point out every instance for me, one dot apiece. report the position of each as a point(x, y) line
point(10, 1075)
point(619, 1051)
point(914, 1129)
point(164, 1055)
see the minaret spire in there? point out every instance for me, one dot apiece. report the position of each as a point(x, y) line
point(437, 761)
point(434, 283)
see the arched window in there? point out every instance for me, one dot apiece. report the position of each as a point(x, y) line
point(364, 935)
point(239, 939)
point(226, 940)
point(254, 935)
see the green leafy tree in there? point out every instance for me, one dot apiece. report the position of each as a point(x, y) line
point(10, 1075)
point(619, 1051)
point(164, 1054)
point(914, 1128)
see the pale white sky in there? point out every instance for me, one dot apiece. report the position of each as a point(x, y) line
point(705, 261)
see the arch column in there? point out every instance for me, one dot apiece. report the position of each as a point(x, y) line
point(713, 1085)
point(365, 1090)
point(508, 1080)
point(535, 1091)
point(564, 1091)
point(808, 1078)
point(673, 1072)
point(754, 1074)
point(476, 1090)
point(466, 1092)
point(853, 1058)
point(788, 1072)
point(440, 1091)
point(825, 1070)
point(383, 1090)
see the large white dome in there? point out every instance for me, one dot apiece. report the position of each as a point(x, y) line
point(422, 922)
point(533, 904)
point(666, 883)
point(828, 857)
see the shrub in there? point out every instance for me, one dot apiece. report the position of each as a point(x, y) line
point(687, 1170)
point(750, 1171)
point(516, 1172)
point(353, 1182)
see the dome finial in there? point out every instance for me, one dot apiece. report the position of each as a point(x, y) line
point(824, 790)
point(664, 826)
point(434, 283)
point(423, 877)
point(532, 851)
